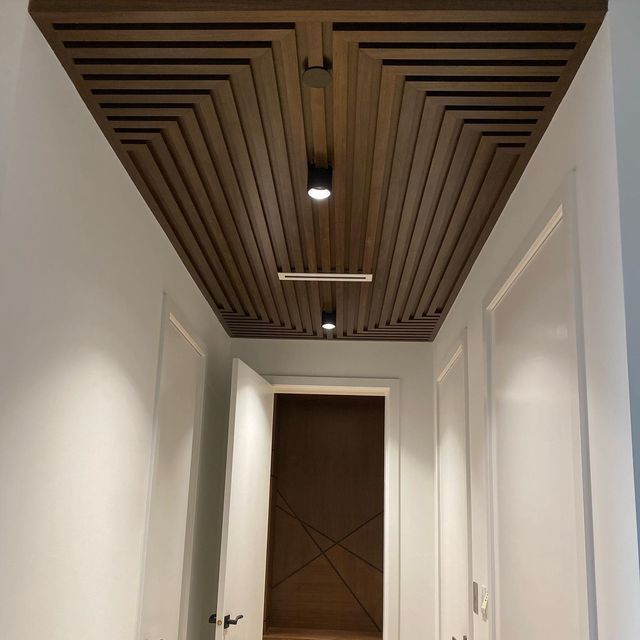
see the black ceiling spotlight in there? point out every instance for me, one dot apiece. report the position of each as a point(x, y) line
point(319, 182)
point(329, 320)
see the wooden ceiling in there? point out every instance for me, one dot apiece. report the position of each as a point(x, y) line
point(432, 114)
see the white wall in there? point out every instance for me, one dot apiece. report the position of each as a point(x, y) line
point(581, 137)
point(83, 268)
point(12, 19)
point(411, 364)
point(624, 16)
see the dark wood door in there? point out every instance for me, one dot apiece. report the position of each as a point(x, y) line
point(325, 565)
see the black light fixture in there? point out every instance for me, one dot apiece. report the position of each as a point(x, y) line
point(319, 182)
point(328, 320)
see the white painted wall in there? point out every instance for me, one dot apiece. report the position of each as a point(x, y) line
point(83, 268)
point(411, 364)
point(624, 18)
point(12, 19)
point(581, 138)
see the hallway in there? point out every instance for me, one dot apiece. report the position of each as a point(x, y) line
point(417, 225)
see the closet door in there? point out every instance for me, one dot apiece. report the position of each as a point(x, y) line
point(538, 466)
point(453, 503)
point(167, 568)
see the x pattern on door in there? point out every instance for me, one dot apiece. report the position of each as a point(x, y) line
point(347, 566)
point(327, 532)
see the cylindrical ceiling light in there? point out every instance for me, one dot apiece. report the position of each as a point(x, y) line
point(319, 182)
point(329, 320)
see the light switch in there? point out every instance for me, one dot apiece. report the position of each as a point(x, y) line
point(484, 599)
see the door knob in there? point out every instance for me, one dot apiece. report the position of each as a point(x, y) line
point(228, 621)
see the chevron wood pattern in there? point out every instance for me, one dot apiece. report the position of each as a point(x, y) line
point(430, 119)
point(325, 568)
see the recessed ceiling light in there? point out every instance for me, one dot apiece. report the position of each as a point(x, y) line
point(329, 320)
point(319, 182)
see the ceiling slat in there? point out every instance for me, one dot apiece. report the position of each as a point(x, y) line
point(430, 118)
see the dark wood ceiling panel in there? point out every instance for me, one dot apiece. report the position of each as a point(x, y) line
point(432, 114)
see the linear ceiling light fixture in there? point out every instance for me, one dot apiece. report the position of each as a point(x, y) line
point(326, 277)
point(319, 182)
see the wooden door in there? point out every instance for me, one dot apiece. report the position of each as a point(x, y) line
point(326, 550)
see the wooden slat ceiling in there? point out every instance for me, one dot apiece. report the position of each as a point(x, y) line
point(429, 121)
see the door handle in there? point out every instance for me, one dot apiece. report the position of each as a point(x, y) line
point(228, 621)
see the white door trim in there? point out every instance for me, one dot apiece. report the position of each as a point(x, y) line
point(390, 389)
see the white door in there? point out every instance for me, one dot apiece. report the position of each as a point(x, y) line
point(246, 506)
point(453, 502)
point(167, 570)
point(539, 514)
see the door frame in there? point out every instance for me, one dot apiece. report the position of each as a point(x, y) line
point(172, 315)
point(561, 208)
point(457, 350)
point(389, 388)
